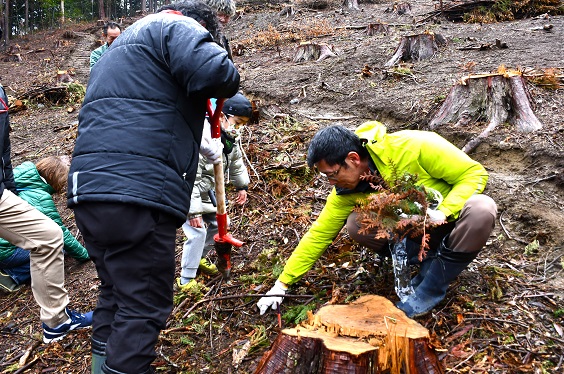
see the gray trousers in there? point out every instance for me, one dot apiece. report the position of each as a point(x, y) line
point(469, 233)
point(26, 227)
point(199, 241)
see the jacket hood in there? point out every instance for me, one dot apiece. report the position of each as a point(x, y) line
point(27, 178)
point(372, 131)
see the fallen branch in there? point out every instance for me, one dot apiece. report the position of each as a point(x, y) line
point(507, 232)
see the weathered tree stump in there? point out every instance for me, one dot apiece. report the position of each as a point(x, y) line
point(13, 58)
point(16, 106)
point(399, 7)
point(352, 4)
point(377, 28)
point(369, 335)
point(313, 51)
point(494, 98)
point(416, 47)
point(63, 76)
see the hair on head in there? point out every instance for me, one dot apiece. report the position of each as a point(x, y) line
point(110, 25)
point(198, 11)
point(333, 145)
point(55, 171)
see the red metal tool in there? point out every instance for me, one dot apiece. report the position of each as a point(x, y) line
point(223, 240)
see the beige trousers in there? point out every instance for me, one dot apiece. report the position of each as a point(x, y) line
point(470, 233)
point(26, 227)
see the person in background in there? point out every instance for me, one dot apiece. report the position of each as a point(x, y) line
point(110, 32)
point(26, 227)
point(35, 183)
point(225, 10)
point(466, 218)
point(133, 170)
point(201, 225)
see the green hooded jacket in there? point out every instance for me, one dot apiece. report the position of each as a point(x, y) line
point(33, 189)
point(439, 164)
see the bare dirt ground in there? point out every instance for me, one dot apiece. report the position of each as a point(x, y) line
point(503, 315)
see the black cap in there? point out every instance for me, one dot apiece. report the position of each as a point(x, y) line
point(238, 105)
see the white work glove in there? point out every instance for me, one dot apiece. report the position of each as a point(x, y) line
point(272, 301)
point(436, 216)
point(212, 149)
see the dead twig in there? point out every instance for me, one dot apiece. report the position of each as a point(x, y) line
point(507, 232)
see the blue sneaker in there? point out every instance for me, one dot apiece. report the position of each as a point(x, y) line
point(76, 321)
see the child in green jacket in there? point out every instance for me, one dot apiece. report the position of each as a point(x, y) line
point(35, 184)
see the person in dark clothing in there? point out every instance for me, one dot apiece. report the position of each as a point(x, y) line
point(133, 170)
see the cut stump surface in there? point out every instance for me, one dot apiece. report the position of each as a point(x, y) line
point(369, 335)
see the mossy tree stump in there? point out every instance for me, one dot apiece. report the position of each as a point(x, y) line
point(494, 98)
point(368, 336)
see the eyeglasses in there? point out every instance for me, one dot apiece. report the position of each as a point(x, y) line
point(332, 175)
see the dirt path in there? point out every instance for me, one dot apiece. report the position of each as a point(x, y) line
point(79, 58)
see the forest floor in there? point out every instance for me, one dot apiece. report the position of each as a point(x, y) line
point(504, 314)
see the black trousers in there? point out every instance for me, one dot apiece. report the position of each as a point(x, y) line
point(133, 249)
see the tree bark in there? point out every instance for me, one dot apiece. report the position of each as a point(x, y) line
point(101, 10)
point(369, 335)
point(416, 47)
point(493, 98)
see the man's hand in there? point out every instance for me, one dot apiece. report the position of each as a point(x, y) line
point(212, 149)
point(196, 222)
point(265, 302)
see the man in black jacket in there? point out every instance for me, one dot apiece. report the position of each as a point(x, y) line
point(134, 166)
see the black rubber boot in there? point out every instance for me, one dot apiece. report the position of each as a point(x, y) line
point(423, 268)
point(442, 270)
point(413, 255)
point(98, 356)
point(107, 370)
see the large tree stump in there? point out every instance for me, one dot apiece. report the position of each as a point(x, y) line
point(493, 98)
point(369, 335)
point(416, 47)
point(307, 51)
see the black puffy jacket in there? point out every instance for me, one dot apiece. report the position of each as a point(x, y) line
point(7, 174)
point(141, 121)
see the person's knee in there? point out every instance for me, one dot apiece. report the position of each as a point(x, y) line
point(53, 234)
point(483, 210)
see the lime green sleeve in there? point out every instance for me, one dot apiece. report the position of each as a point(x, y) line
point(320, 235)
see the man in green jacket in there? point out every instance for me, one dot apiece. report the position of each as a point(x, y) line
point(110, 32)
point(35, 183)
point(343, 157)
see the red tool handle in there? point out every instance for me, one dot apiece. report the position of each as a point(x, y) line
point(221, 214)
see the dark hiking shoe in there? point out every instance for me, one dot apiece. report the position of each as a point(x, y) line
point(7, 283)
point(76, 321)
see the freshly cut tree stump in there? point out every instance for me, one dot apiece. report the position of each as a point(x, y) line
point(313, 51)
point(495, 98)
point(369, 335)
point(416, 47)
